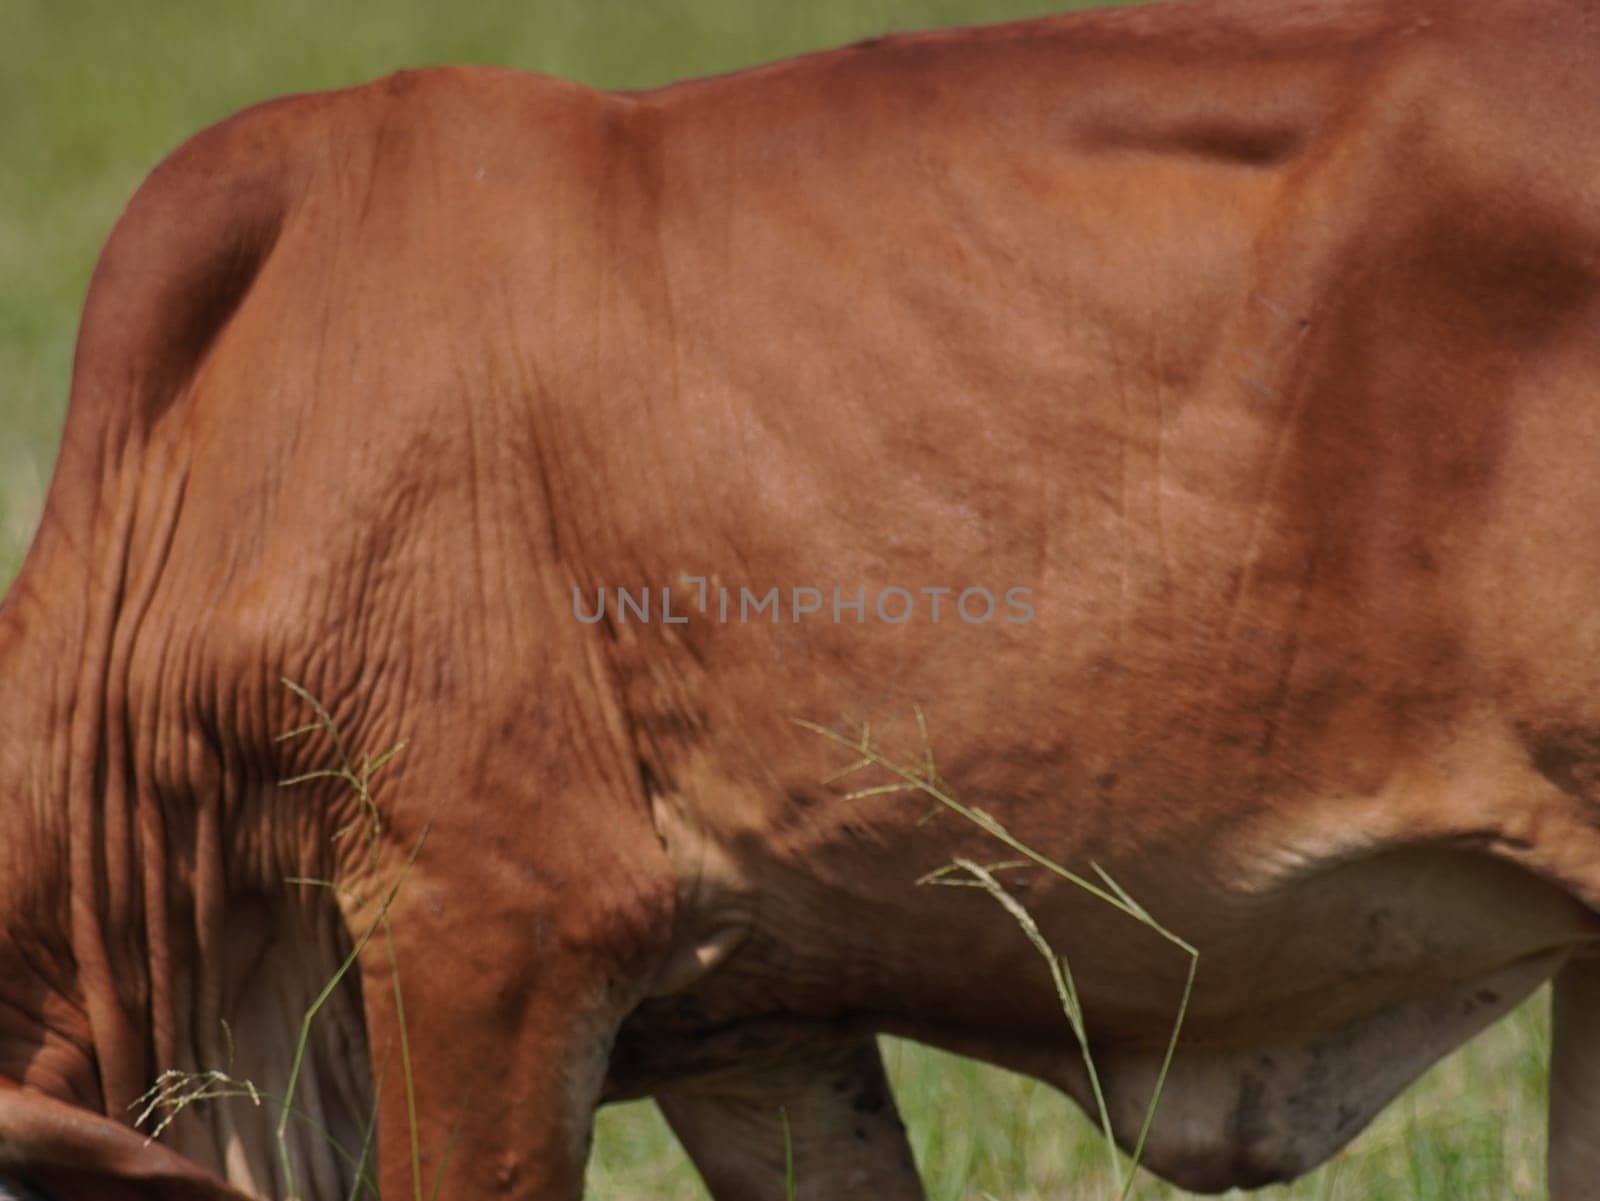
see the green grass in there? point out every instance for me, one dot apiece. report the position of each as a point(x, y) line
point(93, 93)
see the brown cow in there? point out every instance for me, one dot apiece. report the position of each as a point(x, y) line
point(1227, 372)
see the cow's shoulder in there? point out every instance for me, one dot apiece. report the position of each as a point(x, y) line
point(196, 235)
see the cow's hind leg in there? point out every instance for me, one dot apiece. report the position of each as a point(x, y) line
point(832, 1111)
point(1574, 1154)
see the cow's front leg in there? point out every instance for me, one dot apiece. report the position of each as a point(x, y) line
point(489, 1080)
point(843, 1130)
point(516, 967)
point(1574, 1154)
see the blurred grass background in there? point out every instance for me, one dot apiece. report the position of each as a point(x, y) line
point(93, 93)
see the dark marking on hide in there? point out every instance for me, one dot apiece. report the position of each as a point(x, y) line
point(800, 800)
point(869, 1101)
point(872, 1090)
point(1249, 1117)
point(1569, 758)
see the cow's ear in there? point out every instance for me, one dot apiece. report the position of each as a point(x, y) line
point(64, 1153)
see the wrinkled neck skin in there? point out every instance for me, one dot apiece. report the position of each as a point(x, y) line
point(144, 930)
point(46, 1037)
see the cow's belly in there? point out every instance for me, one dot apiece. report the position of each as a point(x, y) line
point(1255, 1116)
point(1311, 1017)
point(1309, 1022)
point(1317, 999)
